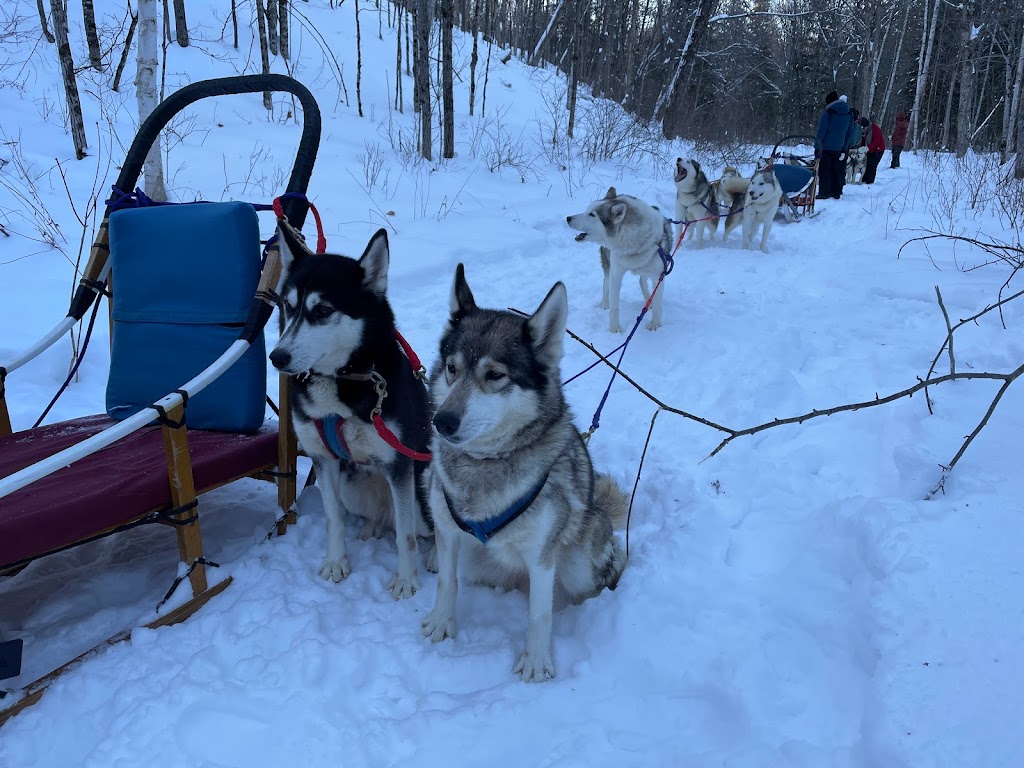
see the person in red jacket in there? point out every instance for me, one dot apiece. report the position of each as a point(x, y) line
point(899, 138)
point(876, 148)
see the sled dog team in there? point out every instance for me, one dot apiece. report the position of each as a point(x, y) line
point(483, 458)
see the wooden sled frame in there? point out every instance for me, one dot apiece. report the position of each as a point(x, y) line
point(184, 495)
point(801, 203)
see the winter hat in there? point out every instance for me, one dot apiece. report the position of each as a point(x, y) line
point(832, 96)
point(843, 97)
point(864, 122)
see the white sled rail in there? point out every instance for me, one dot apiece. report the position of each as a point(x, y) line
point(79, 451)
point(56, 333)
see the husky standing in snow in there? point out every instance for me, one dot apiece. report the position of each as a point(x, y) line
point(338, 343)
point(731, 192)
point(630, 233)
point(856, 164)
point(512, 484)
point(695, 200)
point(761, 205)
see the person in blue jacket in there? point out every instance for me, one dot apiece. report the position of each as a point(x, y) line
point(830, 142)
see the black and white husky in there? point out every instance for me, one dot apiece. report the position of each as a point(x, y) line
point(512, 485)
point(338, 343)
point(695, 201)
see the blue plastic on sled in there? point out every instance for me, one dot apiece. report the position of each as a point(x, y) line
point(792, 178)
point(183, 280)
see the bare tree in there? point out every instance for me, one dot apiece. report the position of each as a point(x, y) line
point(424, 16)
point(42, 22)
point(91, 36)
point(180, 23)
point(968, 78)
point(146, 94)
point(447, 81)
point(261, 29)
point(272, 25)
point(359, 62)
point(124, 54)
point(285, 42)
point(59, 12)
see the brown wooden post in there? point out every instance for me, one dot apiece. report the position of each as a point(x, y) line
point(287, 457)
point(183, 492)
point(5, 417)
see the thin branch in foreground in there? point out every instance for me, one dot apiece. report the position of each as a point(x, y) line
point(636, 386)
point(636, 483)
point(908, 392)
point(941, 485)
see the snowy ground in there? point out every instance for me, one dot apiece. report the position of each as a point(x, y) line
point(792, 601)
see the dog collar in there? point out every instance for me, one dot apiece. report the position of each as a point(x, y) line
point(329, 429)
point(483, 530)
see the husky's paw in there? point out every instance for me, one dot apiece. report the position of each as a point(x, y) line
point(603, 304)
point(764, 249)
point(438, 626)
point(402, 588)
point(535, 669)
point(431, 559)
point(372, 529)
point(614, 328)
point(653, 326)
point(335, 570)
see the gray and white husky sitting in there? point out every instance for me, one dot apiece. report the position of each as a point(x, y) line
point(695, 201)
point(338, 344)
point(512, 485)
point(630, 232)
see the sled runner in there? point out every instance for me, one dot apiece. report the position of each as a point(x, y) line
point(796, 168)
point(187, 393)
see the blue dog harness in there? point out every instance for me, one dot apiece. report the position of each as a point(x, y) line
point(483, 530)
point(329, 429)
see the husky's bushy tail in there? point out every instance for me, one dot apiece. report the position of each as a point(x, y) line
point(609, 499)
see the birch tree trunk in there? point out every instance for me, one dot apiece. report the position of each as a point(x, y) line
point(261, 28)
point(42, 22)
point(145, 91)
point(59, 12)
point(91, 36)
point(892, 72)
point(180, 24)
point(447, 80)
point(398, 58)
point(547, 31)
point(923, 65)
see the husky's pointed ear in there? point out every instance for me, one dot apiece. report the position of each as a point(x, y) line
point(696, 167)
point(546, 326)
point(618, 212)
point(462, 301)
point(291, 249)
point(374, 262)
point(612, 194)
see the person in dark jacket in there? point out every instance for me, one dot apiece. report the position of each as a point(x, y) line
point(876, 148)
point(830, 141)
point(852, 139)
point(899, 138)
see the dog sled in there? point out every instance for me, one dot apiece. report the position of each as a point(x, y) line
point(186, 398)
point(796, 168)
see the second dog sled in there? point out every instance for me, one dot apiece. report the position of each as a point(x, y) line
point(796, 168)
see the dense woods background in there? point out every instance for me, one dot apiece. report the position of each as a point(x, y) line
point(707, 70)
